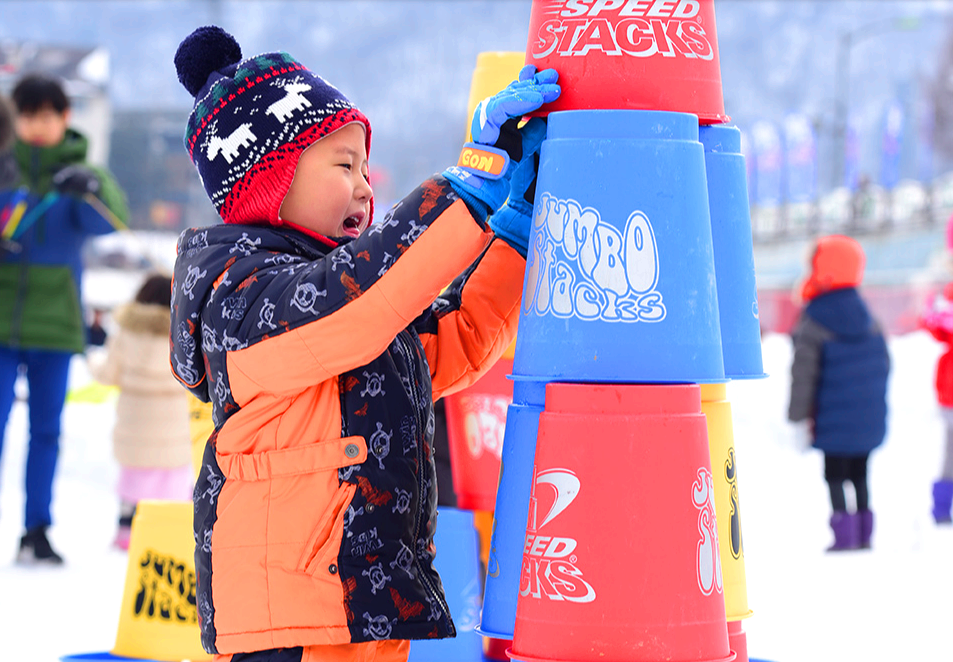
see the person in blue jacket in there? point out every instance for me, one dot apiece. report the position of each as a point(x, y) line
point(839, 381)
point(56, 201)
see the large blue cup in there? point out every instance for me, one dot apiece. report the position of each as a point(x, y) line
point(620, 276)
point(458, 562)
point(734, 253)
point(512, 507)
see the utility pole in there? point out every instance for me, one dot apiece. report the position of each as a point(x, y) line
point(845, 43)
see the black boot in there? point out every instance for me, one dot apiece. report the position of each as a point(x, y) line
point(36, 548)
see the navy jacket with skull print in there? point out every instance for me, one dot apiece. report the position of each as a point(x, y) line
point(315, 506)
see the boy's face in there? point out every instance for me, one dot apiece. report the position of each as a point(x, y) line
point(330, 194)
point(45, 127)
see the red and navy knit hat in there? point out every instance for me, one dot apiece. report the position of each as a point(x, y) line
point(251, 120)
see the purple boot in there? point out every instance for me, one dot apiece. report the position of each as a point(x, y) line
point(846, 527)
point(866, 518)
point(942, 501)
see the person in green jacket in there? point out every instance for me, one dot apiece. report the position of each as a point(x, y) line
point(56, 201)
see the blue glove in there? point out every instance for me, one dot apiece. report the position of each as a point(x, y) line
point(512, 223)
point(481, 176)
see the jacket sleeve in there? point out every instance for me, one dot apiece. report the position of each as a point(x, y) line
point(474, 320)
point(808, 338)
point(105, 212)
point(340, 312)
point(105, 367)
point(938, 319)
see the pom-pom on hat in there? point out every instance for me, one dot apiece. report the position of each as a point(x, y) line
point(251, 121)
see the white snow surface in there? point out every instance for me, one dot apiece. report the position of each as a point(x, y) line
point(890, 603)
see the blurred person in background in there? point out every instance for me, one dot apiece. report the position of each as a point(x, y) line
point(839, 382)
point(151, 438)
point(8, 166)
point(96, 333)
point(56, 202)
point(938, 320)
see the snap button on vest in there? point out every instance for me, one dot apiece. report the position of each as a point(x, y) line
point(352, 451)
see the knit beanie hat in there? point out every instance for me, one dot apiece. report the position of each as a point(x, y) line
point(837, 263)
point(251, 121)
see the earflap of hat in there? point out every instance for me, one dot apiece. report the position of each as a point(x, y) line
point(256, 198)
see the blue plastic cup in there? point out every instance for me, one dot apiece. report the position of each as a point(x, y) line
point(458, 562)
point(734, 253)
point(620, 275)
point(512, 507)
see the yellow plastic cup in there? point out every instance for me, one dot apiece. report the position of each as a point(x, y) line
point(724, 471)
point(494, 71)
point(158, 619)
point(200, 429)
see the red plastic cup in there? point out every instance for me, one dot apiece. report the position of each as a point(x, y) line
point(621, 557)
point(738, 640)
point(476, 421)
point(495, 649)
point(630, 55)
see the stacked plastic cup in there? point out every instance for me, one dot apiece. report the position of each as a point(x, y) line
point(637, 268)
point(512, 505)
point(458, 563)
point(609, 574)
point(717, 410)
point(734, 252)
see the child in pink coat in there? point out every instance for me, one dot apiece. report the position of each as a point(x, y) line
point(151, 438)
point(938, 320)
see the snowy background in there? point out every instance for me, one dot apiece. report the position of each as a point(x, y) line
point(894, 602)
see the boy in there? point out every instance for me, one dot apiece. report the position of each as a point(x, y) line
point(322, 346)
point(839, 381)
point(56, 201)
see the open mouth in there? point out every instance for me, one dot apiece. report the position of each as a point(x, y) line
point(352, 225)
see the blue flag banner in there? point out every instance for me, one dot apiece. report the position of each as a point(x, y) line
point(892, 143)
point(925, 143)
point(801, 158)
point(768, 159)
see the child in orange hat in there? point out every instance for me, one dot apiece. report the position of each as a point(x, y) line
point(839, 381)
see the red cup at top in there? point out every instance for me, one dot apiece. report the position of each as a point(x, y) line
point(630, 55)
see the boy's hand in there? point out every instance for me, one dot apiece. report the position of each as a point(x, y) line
point(512, 223)
point(76, 180)
point(495, 118)
point(482, 176)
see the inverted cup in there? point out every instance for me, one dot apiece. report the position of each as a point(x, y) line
point(631, 55)
point(512, 504)
point(476, 420)
point(734, 252)
point(724, 468)
point(620, 273)
point(158, 618)
point(621, 557)
point(458, 563)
